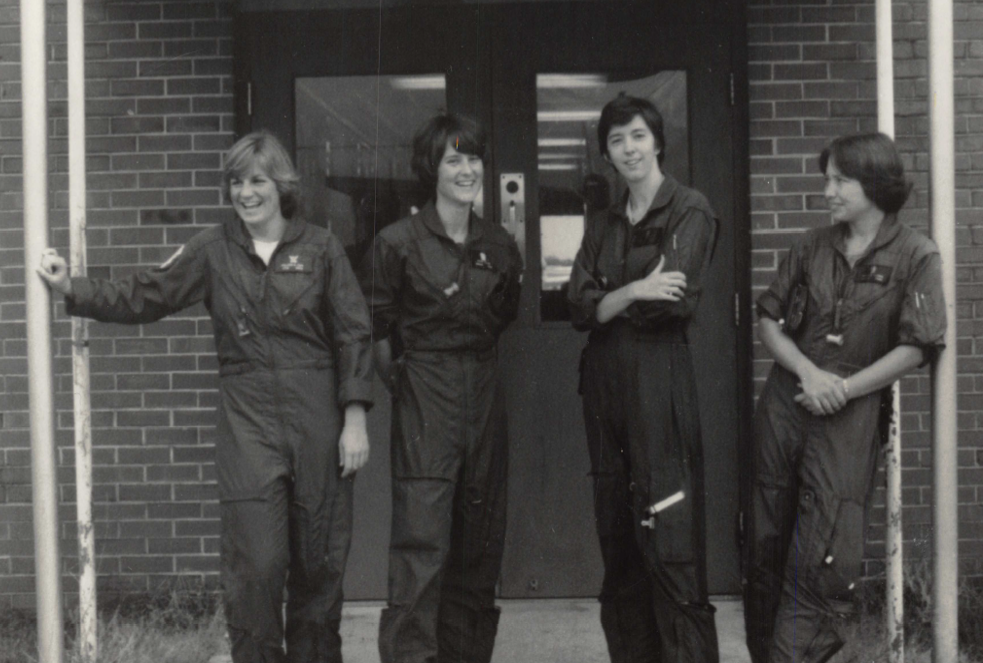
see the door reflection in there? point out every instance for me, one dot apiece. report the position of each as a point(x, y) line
point(354, 143)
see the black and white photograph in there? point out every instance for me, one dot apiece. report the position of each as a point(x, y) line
point(491, 331)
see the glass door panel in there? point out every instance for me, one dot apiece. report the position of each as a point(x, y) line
point(574, 179)
point(354, 138)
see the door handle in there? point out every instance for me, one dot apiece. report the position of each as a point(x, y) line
point(512, 187)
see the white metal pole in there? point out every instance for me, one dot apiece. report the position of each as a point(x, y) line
point(39, 363)
point(945, 632)
point(87, 640)
point(893, 543)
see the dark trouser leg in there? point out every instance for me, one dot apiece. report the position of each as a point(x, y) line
point(825, 557)
point(468, 618)
point(627, 614)
point(420, 540)
point(665, 432)
point(254, 565)
point(320, 540)
point(771, 509)
point(627, 610)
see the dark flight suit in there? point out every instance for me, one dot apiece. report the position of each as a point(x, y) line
point(811, 476)
point(643, 429)
point(293, 344)
point(444, 305)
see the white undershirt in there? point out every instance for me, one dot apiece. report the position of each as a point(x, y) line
point(265, 249)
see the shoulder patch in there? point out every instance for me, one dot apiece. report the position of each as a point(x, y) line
point(170, 261)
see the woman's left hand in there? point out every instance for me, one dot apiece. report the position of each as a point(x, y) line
point(353, 446)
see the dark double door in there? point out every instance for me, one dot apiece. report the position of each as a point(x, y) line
point(345, 88)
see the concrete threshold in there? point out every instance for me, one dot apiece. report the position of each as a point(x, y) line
point(537, 631)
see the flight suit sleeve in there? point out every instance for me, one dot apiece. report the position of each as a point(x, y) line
point(146, 296)
point(922, 321)
point(584, 291)
point(773, 302)
point(381, 277)
point(351, 327)
point(688, 250)
point(505, 298)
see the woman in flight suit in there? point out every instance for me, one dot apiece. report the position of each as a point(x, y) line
point(293, 340)
point(442, 285)
point(635, 285)
point(855, 306)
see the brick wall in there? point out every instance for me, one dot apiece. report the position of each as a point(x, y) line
point(159, 116)
point(812, 78)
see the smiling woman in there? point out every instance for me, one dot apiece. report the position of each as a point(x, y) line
point(291, 430)
point(855, 306)
point(442, 285)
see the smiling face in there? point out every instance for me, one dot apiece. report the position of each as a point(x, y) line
point(459, 176)
point(845, 195)
point(632, 150)
point(255, 198)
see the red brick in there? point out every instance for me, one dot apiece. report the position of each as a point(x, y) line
point(165, 30)
point(190, 48)
point(801, 72)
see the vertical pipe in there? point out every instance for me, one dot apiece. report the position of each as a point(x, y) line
point(87, 642)
point(39, 363)
point(893, 544)
point(944, 392)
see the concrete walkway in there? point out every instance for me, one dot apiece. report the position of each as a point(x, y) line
point(538, 631)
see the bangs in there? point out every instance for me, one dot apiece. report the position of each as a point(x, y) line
point(466, 142)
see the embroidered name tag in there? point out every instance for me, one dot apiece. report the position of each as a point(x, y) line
point(293, 263)
point(480, 260)
point(648, 236)
point(879, 274)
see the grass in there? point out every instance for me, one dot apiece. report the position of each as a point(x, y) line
point(869, 643)
point(169, 626)
point(185, 625)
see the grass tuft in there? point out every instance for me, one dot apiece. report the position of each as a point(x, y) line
point(168, 626)
point(869, 643)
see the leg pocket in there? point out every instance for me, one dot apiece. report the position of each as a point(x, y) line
point(674, 532)
point(841, 565)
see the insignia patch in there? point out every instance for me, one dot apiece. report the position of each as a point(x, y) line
point(479, 259)
point(879, 274)
point(292, 263)
point(170, 261)
point(451, 289)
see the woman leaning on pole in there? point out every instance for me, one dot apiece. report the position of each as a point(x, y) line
point(855, 306)
point(292, 336)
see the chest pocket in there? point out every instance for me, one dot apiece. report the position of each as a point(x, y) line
point(432, 275)
point(295, 277)
point(644, 252)
point(871, 283)
point(485, 272)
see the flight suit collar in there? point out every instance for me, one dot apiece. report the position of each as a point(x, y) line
point(431, 221)
point(236, 230)
point(662, 198)
point(890, 227)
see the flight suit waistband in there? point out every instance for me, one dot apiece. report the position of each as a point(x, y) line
point(248, 366)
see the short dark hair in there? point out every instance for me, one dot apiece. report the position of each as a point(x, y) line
point(873, 160)
point(430, 143)
point(261, 148)
point(623, 109)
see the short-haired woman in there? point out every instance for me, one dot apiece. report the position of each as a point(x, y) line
point(855, 306)
point(442, 285)
point(635, 285)
point(293, 340)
